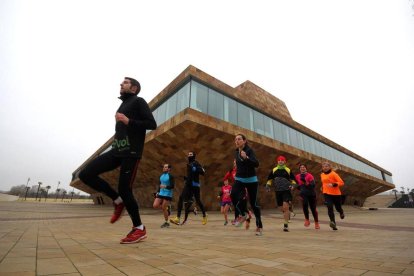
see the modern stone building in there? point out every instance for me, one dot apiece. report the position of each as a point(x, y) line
point(200, 113)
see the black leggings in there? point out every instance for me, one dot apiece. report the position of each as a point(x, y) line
point(330, 201)
point(128, 168)
point(186, 198)
point(243, 201)
point(238, 195)
point(309, 201)
point(196, 193)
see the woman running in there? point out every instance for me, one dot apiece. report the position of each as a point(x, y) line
point(306, 185)
point(331, 183)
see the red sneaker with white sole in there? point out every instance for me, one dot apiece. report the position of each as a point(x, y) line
point(118, 211)
point(136, 235)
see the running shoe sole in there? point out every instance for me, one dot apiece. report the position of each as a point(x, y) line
point(135, 241)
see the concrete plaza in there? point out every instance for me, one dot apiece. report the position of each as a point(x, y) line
point(77, 239)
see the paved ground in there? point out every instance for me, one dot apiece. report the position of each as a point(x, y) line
point(77, 239)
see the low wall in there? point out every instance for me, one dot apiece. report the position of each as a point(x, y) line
point(5, 197)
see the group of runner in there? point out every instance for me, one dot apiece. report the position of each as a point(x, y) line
point(240, 185)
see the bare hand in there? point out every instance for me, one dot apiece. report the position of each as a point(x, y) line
point(243, 154)
point(122, 118)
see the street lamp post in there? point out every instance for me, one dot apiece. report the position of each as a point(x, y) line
point(38, 188)
point(57, 191)
point(27, 188)
point(72, 193)
point(47, 191)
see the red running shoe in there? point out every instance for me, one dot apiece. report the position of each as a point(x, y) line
point(118, 210)
point(136, 235)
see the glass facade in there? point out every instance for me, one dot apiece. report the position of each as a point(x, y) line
point(209, 101)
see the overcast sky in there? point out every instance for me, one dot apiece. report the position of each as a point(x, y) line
point(345, 69)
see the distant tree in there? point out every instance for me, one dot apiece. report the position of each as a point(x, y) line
point(47, 188)
point(57, 193)
point(63, 194)
point(395, 194)
point(71, 195)
point(17, 190)
point(33, 190)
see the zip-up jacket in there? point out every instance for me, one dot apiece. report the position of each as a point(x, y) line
point(194, 169)
point(281, 177)
point(246, 167)
point(306, 184)
point(129, 139)
point(230, 175)
point(331, 177)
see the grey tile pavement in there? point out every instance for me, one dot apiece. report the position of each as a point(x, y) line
point(77, 239)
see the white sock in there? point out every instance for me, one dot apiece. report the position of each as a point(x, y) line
point(141, 227)
point(118, 200)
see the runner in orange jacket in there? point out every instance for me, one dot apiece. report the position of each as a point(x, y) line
point(331, 183)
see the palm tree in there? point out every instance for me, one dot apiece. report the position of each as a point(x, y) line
point(57, 190)
point(27, 188)
point(57, 193)
point(71, 195)
point(395, 194)
point(47, 191)
point(38, 188)
point(63, 194)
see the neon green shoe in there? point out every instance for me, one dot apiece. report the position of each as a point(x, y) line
point(175, 220)
point(204, 221)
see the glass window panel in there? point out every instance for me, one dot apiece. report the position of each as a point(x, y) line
point(258, 123)
point(308, 144)
point(171, 108)
point(293, 139)
point(388, 178)
point(161, 113)
point(230, 110)
point(325, 151)
point(155, 114)
point(245, 116)
point(300, 140)
point(199, 95)
point(215, 104)
point(222, 107)
point(340, 157)
point(321, 150)
point(183, 97)
point(329, 153)
point(268, 127)
point(278, 131)
point(285, 134)
point(312, 143)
